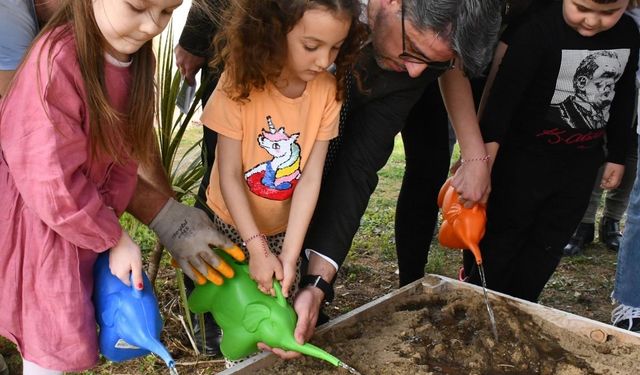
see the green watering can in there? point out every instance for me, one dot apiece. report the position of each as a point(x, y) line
point(248, 316)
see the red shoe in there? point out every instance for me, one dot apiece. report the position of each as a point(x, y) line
point(461, 276)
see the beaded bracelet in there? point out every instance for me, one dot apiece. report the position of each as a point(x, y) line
point(484, 158)
point(257, 235)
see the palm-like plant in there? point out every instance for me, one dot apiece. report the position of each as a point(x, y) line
point(183, 167)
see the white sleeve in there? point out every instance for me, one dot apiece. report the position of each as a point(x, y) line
point(331, 261)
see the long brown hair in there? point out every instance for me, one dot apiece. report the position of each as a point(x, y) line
point(109, 130)
point(252, 44)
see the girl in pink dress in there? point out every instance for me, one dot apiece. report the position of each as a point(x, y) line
point(76, 122)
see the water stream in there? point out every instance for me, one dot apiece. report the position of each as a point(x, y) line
point(486, 302)
point(349, 368)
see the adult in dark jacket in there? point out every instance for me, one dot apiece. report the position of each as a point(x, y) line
point(413, 43)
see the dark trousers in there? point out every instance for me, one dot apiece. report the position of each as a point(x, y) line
point(535, 204)
point(426, 146)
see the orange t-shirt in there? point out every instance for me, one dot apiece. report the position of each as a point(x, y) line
point(277, 135)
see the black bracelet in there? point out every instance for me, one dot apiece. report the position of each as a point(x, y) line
point(318, 282)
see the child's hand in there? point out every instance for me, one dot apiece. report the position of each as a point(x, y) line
point(472, 182)
point(263, 266)
point(612, 176)
point(125, 260)
point(289, 267)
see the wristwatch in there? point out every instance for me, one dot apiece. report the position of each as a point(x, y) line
point(318, 282)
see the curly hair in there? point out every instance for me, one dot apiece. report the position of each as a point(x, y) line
point(252, 42)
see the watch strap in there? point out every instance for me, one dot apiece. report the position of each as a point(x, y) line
point(320, 283)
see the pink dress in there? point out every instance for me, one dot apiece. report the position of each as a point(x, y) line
point(58, 208)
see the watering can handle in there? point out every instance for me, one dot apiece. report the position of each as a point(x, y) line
point(136, 293)
point(278, 289)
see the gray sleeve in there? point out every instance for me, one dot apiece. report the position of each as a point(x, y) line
point(18, 27)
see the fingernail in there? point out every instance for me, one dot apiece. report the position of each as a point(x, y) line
point(140, 286)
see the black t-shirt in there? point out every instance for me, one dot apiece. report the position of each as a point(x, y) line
point(558, 91)
point(518, 13)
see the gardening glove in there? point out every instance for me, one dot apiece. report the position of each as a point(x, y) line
point(187, 232)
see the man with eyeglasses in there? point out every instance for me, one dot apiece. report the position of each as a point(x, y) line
point(413, 44)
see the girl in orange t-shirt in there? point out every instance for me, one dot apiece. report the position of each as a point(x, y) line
point(275, 110)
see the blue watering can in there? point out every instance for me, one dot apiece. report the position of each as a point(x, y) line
point(129, 319)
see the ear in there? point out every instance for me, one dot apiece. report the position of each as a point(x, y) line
point(108, 315)
point(254, 314)
point(391, 5)
point(582, 81)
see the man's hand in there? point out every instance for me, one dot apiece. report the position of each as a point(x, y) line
point(188, 64)
point(307, 306)
point(187, 233)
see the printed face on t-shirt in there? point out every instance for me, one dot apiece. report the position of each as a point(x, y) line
point(590, 17)
point(599, 88)
point(586, 87)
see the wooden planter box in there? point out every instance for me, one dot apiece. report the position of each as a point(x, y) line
point(597, 333)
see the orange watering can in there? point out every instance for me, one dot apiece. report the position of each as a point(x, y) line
point(462, 228)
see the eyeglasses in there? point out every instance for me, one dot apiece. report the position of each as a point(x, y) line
point(418, 58)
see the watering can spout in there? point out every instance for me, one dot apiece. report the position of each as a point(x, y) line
point(156, 347)
point(475, 250)
point(310, 350)
point(314, 351)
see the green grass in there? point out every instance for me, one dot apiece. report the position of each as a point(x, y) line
point(376, 233)
point(376, 226)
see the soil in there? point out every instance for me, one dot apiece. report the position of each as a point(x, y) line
point(448, 333)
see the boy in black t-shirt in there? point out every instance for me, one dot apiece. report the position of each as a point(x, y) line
point(566, 81)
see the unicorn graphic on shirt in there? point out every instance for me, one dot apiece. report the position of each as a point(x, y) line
point(276, 178)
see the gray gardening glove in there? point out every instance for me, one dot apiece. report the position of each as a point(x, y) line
point(187, 232)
